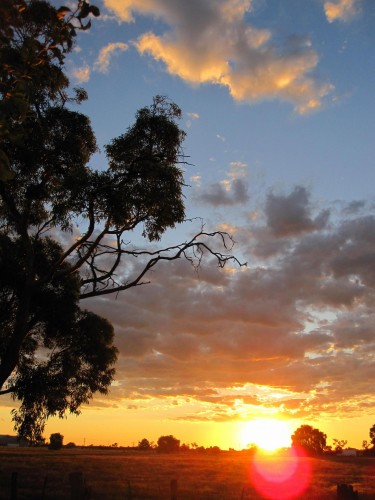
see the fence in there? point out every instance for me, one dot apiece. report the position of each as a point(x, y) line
point(80, 490)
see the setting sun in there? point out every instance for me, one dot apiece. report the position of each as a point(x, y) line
point(268, 434)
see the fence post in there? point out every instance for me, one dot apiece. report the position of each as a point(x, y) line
point(77, 485)
point(129, 492)
point(13, 486)
point(346, 492)
point(174, 489)
point(44, 488)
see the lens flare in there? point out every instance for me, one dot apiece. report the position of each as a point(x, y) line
point(280, 476)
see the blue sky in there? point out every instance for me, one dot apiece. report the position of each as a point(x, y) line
point(278, 105)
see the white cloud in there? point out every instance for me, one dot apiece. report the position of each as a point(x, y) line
point(210, 42)
point(82, 74)
point(103, 61)
point(238, 169)
point(196, 180)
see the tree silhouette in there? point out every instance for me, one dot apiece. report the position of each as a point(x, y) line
point(64, 227)
point(56, 441)
point(168, 444)
point(339, 444)
point(311, 440)
point(144, 444)
point(372, 435)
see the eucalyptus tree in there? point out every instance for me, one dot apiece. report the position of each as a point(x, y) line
point(312, 441)
point(65, 228)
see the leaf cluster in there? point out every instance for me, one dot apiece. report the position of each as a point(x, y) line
point(34, 40)
point(311, 440)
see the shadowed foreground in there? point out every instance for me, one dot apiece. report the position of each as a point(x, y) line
point(123, 474)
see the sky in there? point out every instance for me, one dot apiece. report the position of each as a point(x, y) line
point(279, 109)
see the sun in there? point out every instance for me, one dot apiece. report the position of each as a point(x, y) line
point(267, 434)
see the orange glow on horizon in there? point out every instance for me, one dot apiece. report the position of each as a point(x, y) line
point(267, 434)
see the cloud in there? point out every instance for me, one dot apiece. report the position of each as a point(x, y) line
point(212, 42)
point(224, 193)
point(82, 74)
point(228, 192)
point(193, 116)
point(292, 332)
point(290, 215)
point(196, 180)
point(105, 55)
point(341, 10)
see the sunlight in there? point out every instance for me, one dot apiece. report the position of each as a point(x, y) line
point(283, 476)
point(267, 434)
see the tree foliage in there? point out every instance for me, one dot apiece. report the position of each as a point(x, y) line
point(56, 441)
point(144, 444)
point(372, 435)
point(168, 444)
point(311, 440)
point(64, 227)
point(339, 444)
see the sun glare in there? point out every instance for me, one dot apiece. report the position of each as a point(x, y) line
point(267, 434)
point(280, 476)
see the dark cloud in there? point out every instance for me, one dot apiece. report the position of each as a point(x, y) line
point(300, 321)
point(291, 215)
point(220, 194)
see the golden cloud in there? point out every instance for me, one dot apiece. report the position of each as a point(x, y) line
point(105, 55)
point(210, 42)
point(341, 10)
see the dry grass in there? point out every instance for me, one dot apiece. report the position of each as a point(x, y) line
point(122, 474)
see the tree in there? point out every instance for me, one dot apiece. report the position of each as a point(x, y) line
point(144, 444)
point(339, 444)
point(365, 445)
point(63, 226)
point(311, 440)
point(56, 441)
point(168, 444)
point(372, 435)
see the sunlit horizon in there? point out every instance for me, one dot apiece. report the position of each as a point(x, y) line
point(278, 115)
point(269, 434)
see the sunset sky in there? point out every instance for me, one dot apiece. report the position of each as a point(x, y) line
point(278, 101)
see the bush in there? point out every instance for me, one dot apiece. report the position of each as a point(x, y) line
point(168, 444)
point(56, 441)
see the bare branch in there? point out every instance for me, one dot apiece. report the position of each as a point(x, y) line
point(7, 391)
point(193, 251)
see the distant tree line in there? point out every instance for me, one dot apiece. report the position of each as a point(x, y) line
point(312, 441)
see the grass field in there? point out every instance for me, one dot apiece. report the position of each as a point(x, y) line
point(123, 474)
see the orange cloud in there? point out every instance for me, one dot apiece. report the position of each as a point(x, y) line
point(299, 319)
point(341, 10)
point(103, 61)
point(210, 42)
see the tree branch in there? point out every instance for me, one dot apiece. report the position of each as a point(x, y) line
point(7, 391)
point(198, 248)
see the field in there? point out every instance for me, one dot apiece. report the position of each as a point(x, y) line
point(130, 474)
